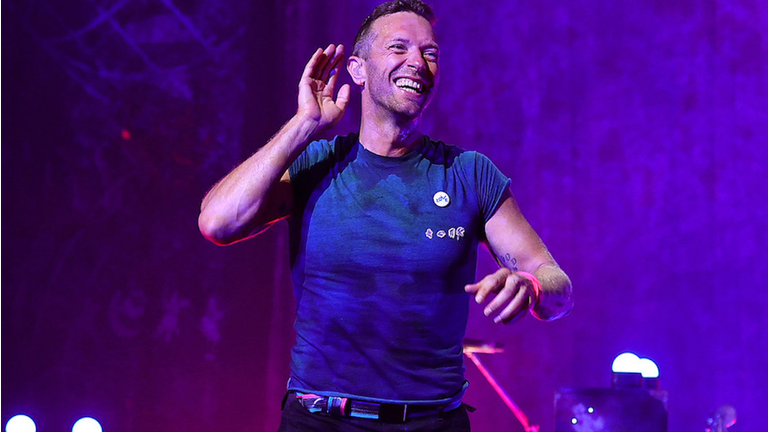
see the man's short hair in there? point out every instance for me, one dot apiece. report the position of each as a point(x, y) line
point(364, 36)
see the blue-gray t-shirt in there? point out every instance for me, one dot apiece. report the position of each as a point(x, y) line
point(381, 248)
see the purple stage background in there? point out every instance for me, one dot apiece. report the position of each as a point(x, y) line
point(634, 133)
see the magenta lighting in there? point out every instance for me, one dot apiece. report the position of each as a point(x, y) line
point(86, 424)
point(20, 423)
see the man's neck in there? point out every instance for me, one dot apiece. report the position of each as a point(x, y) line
point(389, 136)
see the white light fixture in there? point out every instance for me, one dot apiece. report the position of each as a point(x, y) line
point(20, 423)
point(648, 368)
point(629, 370)
point(86, 424)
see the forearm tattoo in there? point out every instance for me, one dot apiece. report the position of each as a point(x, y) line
point(507, 258)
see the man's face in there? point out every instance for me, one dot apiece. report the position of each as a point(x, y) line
point(402, 63)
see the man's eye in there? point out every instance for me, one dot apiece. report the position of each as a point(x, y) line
point(398, 47)
point(431, 55)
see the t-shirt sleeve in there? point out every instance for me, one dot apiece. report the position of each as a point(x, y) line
point(315, 152)
point(306, 170)
point(490, 183)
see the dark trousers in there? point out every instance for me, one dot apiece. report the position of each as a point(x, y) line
point(296, 418)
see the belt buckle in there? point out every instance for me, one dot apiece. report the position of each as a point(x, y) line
point(393, 413)
point(312, 402)
point(337, 406)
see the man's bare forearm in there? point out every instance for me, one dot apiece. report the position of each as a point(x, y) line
point(556, 296)
point(239, 205)
point(258, 192)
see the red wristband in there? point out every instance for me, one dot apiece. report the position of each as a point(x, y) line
point(535, 282)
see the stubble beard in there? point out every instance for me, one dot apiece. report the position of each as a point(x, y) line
point(386, 98)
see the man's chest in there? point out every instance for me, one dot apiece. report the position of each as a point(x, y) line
point(408, 220)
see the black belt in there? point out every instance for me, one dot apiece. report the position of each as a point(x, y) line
point(386, 412)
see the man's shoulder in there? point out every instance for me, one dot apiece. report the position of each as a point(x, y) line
point(440, 152)
point(336, 143)
point(322, 149)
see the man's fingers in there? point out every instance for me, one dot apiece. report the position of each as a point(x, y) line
point(511, 289)
point(515, 309)
point(321, 71)
point(472, 288)
point(334, 64)
point(481, 288)
point(489, 284)
point(484, 287)
point(310, 67)
point(324, 63)
point(316, 63)
point(334, 76)
point(343, 97)
point(506, 293)
point(333, 68)
point(331, 86)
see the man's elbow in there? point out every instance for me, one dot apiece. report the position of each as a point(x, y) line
point(214, 230)
point(223, 232)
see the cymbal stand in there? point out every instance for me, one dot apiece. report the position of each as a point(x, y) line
point(471, 351)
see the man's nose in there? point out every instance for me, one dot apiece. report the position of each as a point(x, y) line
point(416, 60)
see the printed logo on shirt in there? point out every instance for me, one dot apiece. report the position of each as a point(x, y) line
point(453, 233)
point(441, 199)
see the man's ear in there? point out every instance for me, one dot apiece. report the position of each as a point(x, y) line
point(356, 69)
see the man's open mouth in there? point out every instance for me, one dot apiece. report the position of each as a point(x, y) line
point(410, 85)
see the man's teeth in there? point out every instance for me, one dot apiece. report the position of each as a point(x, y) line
point(409, 85)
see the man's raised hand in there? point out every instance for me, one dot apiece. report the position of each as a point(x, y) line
point(317, 86)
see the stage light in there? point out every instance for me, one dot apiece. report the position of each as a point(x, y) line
point(86, 424)
point(20, 423)
point(630, 370)
point(630, 363)
point(648, 368)
point(625, 363)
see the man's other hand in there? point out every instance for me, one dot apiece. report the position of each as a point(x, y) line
point(514, 295)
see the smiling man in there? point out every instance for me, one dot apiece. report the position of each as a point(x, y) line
point(384, 229)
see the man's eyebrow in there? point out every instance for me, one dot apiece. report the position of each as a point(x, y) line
point(400, 39)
